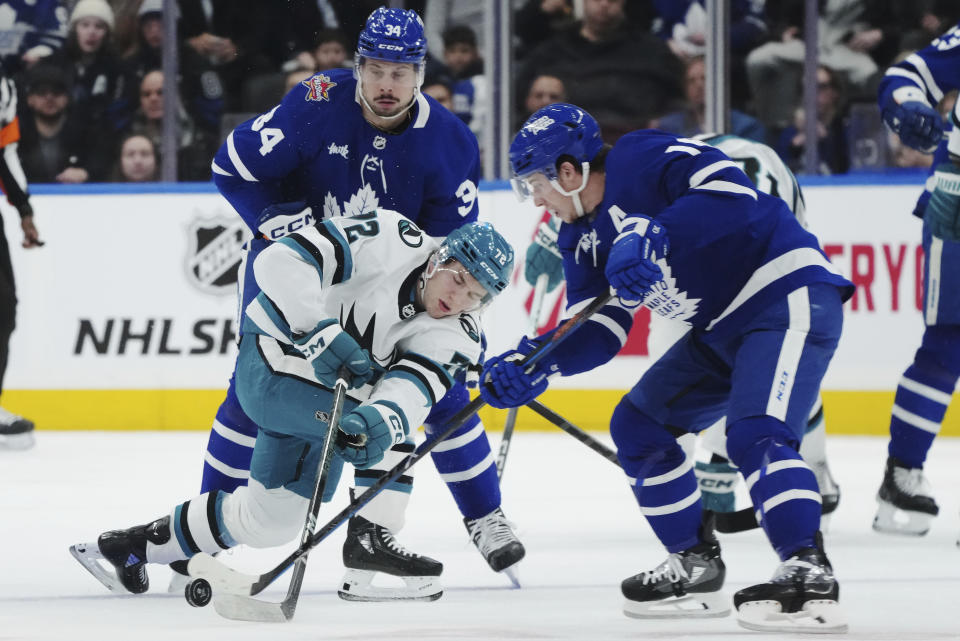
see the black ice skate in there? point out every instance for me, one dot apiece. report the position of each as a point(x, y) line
point(829, 490)
point(802, 596)
point(687, 585)
point(126, 552)
point(494, 537)
point(372, 548)
point(16, 432)
point(906, 504)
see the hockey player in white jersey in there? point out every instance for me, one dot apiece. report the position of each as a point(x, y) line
point(371, 293)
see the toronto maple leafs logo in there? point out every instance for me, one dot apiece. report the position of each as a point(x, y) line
point(540, 124)
point(319, 87)
point(363, 201)
point(667, 300)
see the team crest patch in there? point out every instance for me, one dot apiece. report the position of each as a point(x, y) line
point(215, 251)
point(470, 327)
point(410, 234)
point(319, 87)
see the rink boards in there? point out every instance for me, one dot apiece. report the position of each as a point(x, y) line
point(126, 318)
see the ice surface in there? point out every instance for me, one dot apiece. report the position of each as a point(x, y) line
point(576, 516)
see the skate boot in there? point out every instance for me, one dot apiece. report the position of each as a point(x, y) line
point(494, 537)
point(372, 548)
point(906, 504)
point(687, 585)
point(829, 490)
point(16, 432)
point(802, 596)
point(126, 552)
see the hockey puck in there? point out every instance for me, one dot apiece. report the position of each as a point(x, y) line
point(198, 593)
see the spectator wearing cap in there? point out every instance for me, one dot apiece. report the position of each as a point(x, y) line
point(93, 69)
point(440, 88)
point(200, 88)
point(55, 143)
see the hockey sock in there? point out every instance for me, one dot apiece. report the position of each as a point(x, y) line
point(226, 463)
point(195, 526)
point(923, 395)
point(781, 485)
point(389, 507)
point(465, 460)
point(660, 475)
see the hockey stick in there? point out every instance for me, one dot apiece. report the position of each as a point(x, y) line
point(221, 577)
point(574, 431)
point(726, 522)
point(534, 322)
point(241, 608)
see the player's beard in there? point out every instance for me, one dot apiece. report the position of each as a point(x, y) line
point(395, 108)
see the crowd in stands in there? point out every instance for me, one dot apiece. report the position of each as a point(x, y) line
point(91, 82)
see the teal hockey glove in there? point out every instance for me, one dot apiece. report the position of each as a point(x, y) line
point(383, 426)
point(943, 210)
point(543, 256)
point(328, 347)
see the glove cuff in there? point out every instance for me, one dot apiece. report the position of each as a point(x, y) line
point(310, 345)
point(393, 418)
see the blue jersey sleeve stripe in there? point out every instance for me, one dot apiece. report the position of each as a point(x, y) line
point(703, 173)
point(921, 66)
point(237, 162)
point(309, 252)
point(273, 313)
point(414, 376)
point(610, 325)
point(728, 187)
point(217, 169)
point(341, 251)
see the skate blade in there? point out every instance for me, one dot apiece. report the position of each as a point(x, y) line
point(893, 520)
point(512, 573)
point(704, 605)
point(358, 586)
point(816, 617)
point(17, 442)
point(221, 578)
point(88, 555)
point(244, 608)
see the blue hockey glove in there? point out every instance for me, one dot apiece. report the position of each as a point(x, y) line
point(543, 256)
point(943, 210)
point(383, 426)
point(277, 221)
point(328, 347)
point(504, 383)
point(631, 267)
point(918, 124)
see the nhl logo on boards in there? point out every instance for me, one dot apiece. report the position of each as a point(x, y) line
point(214, 253)
point(407, 311)
point(379, 142)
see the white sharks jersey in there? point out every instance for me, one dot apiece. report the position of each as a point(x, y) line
point(763, 167)
point(362, 271)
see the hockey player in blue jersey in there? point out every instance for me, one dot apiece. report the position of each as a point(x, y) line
point(675, 225)
point(416, 301)
point(343, 143)
point(908, 94)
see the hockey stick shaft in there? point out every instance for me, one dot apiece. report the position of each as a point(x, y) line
point(574, 431)
point(289, 604)
point(539, 291)
point(398, 470)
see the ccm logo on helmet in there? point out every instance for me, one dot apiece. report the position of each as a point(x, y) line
point(390, 47)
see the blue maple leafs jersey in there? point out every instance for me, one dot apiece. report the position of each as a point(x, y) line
point(315, 146)
point(733, 249)
point(25, 25)
point(926, 75)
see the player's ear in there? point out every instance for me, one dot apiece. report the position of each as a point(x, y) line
point(568, 174)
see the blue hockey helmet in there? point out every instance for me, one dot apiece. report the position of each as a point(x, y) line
point(484, 252)
point(393, 35)
point(553, 131)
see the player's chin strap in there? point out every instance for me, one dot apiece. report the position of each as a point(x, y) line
point(575, 193)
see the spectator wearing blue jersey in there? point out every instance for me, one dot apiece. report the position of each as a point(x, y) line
point(690, 120)
point(673, 224)
point(31, 31)
point(462, 58)
point(341, 143)
point(908, 95)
